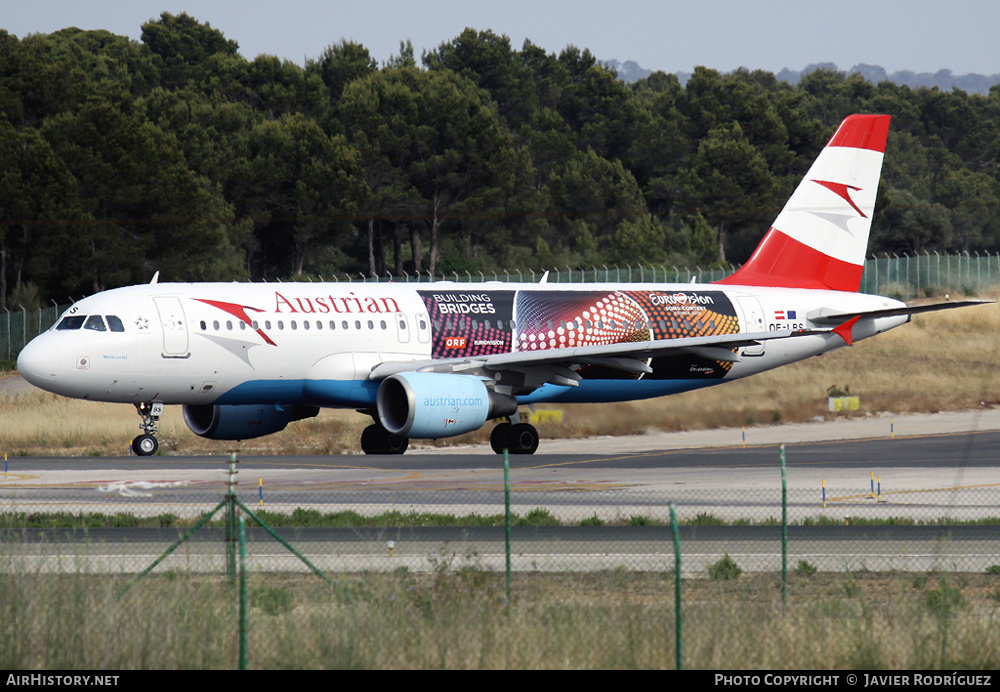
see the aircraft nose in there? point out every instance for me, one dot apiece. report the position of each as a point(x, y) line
point(38, 362)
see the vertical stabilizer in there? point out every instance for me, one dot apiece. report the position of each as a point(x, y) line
point(820, 238)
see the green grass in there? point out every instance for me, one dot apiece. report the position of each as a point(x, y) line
point(457, 616)
point(302, 518)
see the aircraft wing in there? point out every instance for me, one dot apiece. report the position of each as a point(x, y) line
point(838, 317)
point(559, 365)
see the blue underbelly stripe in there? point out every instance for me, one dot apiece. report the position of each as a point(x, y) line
point(362, 393)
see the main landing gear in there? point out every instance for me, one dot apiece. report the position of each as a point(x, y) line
point(517, 438)
point(377, 440)
point(146, 444)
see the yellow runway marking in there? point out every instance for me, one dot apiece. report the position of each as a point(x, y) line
point(867, 495)
point(16, 477)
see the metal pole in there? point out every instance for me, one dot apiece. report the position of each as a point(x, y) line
point(506, 502)
point(784, 535)
point(678, 618)
point(231, 538)
point(243, 596)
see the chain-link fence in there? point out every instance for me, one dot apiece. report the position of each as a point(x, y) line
point(915, 523)
point(19, 326)
point(383, 569)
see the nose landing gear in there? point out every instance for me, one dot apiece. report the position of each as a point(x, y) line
point(146, 444)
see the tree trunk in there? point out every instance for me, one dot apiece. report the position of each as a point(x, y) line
point(3, 276)
point(435, 239)
point(380, 251)
point(722, 241)
point(417, 249)
point(371, 247)
point(397, 250)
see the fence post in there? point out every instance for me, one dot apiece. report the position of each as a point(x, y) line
point(678, 619)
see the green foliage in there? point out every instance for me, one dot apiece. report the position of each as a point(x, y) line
point(945, 600)
point(705, 519)
point(271, 600)
point(725, 569)
point(537, 517)
point(640, 520)
point(805, 569)
point(177, 154)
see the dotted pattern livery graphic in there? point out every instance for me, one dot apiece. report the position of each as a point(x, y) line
point(490, 322)
point(685, 314)
point(550, 319)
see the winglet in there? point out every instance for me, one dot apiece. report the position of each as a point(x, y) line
point(156, 277)
point(845, 330)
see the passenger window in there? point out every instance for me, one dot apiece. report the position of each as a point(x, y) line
point(371, 325)
point(229, 325)
point(344, 324)
point(96, 323)
point(305, 324)
point(295, 324)
point(204, 327)
point(267, 325)
point(382, 322)
point(254, 326)
point(74, 322)
point(116, 324)
point(319, 324)
point(333, 325)
point(215, 325)
point(357, 324)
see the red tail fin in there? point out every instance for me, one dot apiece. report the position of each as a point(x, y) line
point(820, 238)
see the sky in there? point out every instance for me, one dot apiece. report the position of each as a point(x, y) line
point(917, 35)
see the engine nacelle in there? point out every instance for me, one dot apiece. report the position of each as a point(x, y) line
point(435, 405)
point(242, 421)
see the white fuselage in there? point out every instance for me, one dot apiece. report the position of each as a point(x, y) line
point(317, 343)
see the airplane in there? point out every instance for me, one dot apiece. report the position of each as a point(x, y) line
point(430, 361)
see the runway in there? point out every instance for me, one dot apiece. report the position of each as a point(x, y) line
point(944, 478)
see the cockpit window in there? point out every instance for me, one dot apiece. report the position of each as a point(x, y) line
point(114, 323)
point(96, 323)
point(72, 322)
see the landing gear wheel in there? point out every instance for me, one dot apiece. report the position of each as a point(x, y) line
point(377, 440)
point(500, 438)
point(145, 445)
point(523, 438)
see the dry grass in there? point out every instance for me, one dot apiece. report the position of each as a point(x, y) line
point(941, 361)
point(461, 619)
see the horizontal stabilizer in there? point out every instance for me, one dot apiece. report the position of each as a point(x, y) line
point(839, 317)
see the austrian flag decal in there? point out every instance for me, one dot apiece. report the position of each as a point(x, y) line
point(784, 314)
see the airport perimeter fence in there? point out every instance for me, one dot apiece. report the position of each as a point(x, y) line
point(905, 278)
point(359, 568)
point(351, 521)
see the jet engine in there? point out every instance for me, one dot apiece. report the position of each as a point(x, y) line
point(242, 421)
point(434, 405)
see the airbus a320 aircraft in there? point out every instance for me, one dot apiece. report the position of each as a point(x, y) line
point(442, 359)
